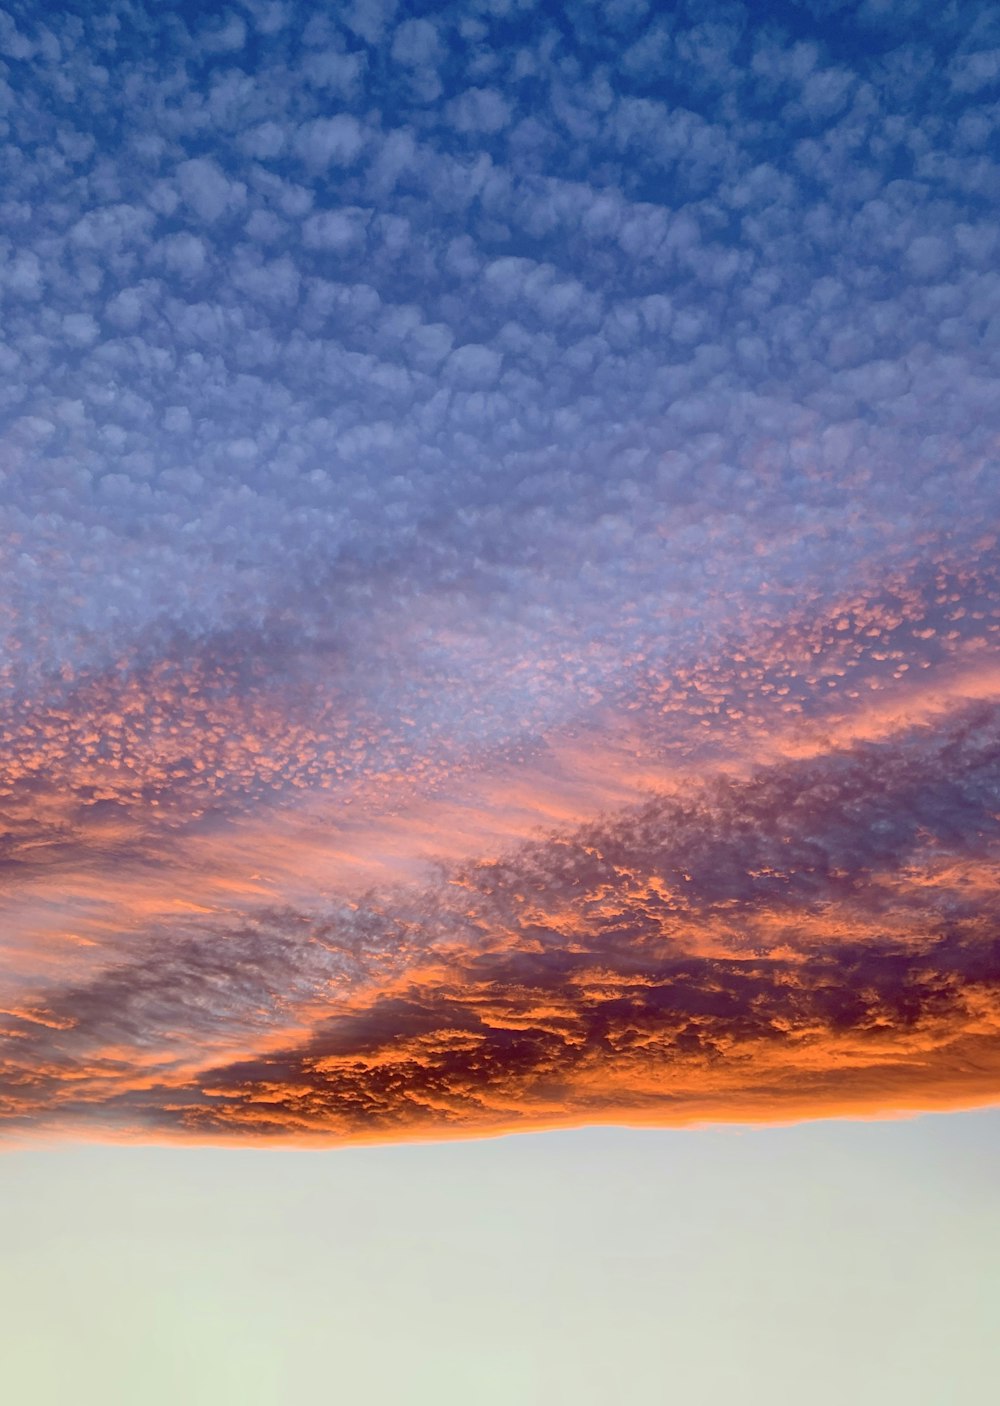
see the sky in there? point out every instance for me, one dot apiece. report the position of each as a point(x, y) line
point(829, 1261)
point(499, 635)
point(499, 579)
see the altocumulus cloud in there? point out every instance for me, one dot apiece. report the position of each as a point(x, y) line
point(498, 552)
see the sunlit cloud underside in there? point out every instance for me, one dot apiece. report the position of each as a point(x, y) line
point(498, 537)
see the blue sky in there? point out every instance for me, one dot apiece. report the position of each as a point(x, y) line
point(312, 316)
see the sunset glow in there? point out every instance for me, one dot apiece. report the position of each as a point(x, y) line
point(500, 624)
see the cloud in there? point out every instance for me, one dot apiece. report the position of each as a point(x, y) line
point(368, 19)
point(479, 110)
point(225, 36)
point(329, 141)
point(207, 190)
point(971, 72)
point(336, 230)
point(513, 419)
point(418, 49)
point(818, 937)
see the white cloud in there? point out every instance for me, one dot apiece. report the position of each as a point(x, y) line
point(330, 141)
point(336, 230)
point(369, 19)
point(337, 74)
point(207, 190)
point(226, 35)
point(265, 141)
point(80, 329)
point(971, 72)
point(472, 366)
point(417, 47)
point(929, 255)
point(417, 44)
point(185, 255)
point(479, 110)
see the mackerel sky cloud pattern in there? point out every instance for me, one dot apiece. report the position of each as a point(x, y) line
point(498, 536)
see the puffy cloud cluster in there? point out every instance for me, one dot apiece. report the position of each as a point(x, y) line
point(510, 413)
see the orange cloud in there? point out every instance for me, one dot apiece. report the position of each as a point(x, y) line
point(808, 937)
